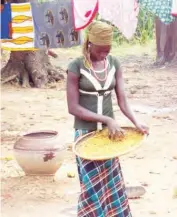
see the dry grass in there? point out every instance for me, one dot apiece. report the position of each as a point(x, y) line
point(122, 50)
point(175, 193)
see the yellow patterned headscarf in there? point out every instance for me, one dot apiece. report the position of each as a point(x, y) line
point(99, 33)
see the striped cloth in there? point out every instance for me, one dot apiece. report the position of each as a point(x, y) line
point(102, 187)
point(22, 29)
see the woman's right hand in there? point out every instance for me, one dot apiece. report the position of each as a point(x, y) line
point(114, 129)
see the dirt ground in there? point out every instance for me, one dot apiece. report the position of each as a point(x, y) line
point(152, 93)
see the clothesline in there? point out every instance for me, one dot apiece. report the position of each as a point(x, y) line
point(58, 23)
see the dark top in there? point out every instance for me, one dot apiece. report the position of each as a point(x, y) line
point(90, 101)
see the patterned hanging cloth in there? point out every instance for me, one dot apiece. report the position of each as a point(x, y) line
point(161, 8)
point(84, 11)
point(54, 25)
point(22, 29)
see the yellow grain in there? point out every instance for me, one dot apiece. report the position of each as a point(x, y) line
point(101, 145)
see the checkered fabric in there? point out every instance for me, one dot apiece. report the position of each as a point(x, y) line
point(160, 8)
point(102, 188)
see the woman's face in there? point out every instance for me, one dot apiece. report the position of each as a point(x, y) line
point(99, 53)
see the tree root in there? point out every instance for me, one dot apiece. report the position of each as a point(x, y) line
point(32, 68)
point(12, 77)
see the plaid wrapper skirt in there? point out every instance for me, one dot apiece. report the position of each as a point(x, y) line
point(102, 187)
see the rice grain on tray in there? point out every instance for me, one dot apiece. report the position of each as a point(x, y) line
point(100, 144)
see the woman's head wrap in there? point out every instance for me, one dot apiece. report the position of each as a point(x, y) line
point(99, 33)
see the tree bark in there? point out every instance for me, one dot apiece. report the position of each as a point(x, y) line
point(32, 67)
point(166, 41)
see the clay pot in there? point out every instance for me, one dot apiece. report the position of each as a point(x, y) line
point(39, 153)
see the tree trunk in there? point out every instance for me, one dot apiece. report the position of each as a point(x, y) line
point(166, 41)
point(31, 67)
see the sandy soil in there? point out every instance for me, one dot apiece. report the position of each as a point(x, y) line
point(152, 93)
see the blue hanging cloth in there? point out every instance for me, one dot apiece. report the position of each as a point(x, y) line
point(6, 21)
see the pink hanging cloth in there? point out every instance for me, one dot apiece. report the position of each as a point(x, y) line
point(121, 13)
point(174, 8)
point(84, 12)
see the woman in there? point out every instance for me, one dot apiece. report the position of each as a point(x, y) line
point(90, 80)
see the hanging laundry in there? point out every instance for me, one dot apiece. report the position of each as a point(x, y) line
point(22, 29)
point(161, 8)
point(41, 1)
point(54, 25)
point(6, 19)
point(123, 14)
point(174, 8)
point(84, 11)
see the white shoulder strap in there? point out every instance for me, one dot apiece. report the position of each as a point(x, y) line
point(109, 78)
point(93, 80)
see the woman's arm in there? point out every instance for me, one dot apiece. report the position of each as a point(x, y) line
point(122, 99)
point(73, 102)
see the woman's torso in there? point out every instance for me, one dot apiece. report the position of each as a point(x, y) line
point(87, 85)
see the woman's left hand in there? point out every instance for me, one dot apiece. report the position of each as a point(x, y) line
point(142, 128)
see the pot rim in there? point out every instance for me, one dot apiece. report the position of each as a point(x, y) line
point(41, 150)
point(26, 136)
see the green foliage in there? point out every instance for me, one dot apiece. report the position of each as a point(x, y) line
point(145, 28)
point(144, 31)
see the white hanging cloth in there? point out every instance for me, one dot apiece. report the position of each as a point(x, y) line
point(121, 13)
point(84, 11)
point(174, 8)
